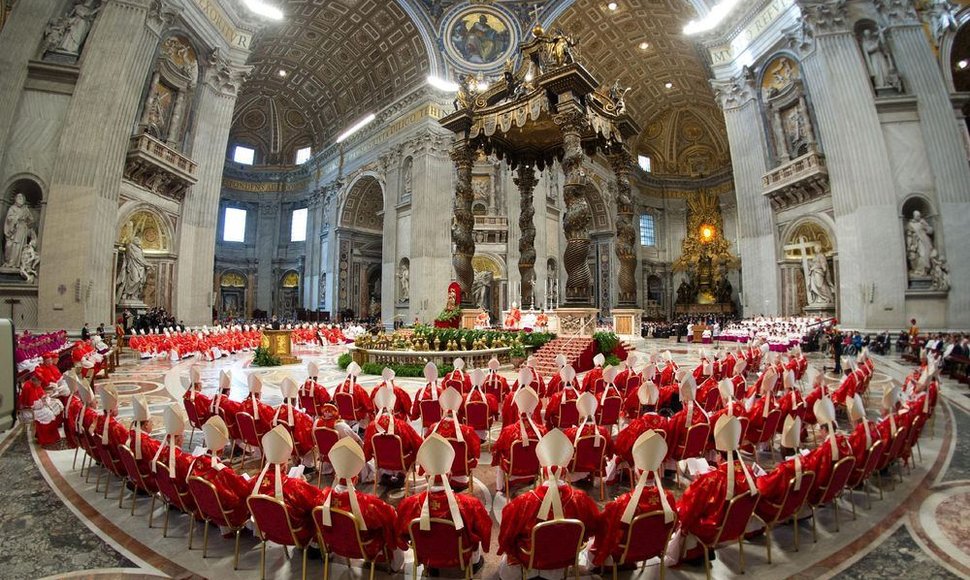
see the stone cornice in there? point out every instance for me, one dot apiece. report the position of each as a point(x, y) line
point(734, 93)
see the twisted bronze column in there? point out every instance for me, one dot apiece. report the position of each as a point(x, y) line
point(525, 179)
point(576, 220)
point(626, 235)
point(463, 222)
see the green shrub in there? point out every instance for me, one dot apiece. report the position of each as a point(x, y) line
point(606, 342)
point(449, 315)
point(262, 358)
point(403, 370)
point(516, 350)
point(612, 360)
point(344, 360)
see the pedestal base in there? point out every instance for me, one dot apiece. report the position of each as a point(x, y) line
point(468, 317)
point(626, 321)
point(822, 311)
point(576, 321)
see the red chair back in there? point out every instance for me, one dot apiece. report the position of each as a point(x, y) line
point(170, 491)
point(345, 405)
point(324, 438)
point(207, 500)
point(523, 460)
point(632, 384)
point(477, 415)
point(342, 537)
point(493, 386)
point(712, 400)
point(608, 414)
point(772, 421)
point(837, 480)
point(109, 459)
point(460, 466)
point(568, 414)
point(734, 519)
point(247, 429)
point(308, 403)
point(140, 480)
point(895, 448)
point(790, 504)
point(587, 457)
point(430, 412)
point(389, 452)
point(694, 443)
point(273, 521)
point(556, 544)
point(646, 537)
point(440, 546)
point(192, 413)
point(598, 385)
point(455, 384)
point(862, 472)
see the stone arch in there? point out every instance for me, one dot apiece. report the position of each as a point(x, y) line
point(954, 47)
point(148, 223)
point(363, 206)
point(235, 294)
point(822, 223)
point(924, 205)
point(817, 230)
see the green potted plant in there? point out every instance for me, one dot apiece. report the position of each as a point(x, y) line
point(517, 354)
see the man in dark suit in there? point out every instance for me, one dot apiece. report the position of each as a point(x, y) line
point(837, 351)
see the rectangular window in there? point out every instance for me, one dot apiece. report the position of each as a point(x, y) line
point(244, 155)
point(234, 229)
point(647, 236)
point(644, 162)
point(302, 155)
point(298, 225)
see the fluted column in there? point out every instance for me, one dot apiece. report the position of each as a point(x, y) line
point(577, 217)
point(626, 235)
point(525, 179)
point(945, 150)
point(391, 168)
point(200, 209)
point(756, 246)
point(267, 240)
point(463, 222)
point(80, 226)
point(868, 231)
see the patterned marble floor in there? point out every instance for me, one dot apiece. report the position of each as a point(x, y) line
point(918, 531)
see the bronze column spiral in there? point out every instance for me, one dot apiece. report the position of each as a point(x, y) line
point(626, 236)
point(463, 222)
point(525, 179)
point(577, 218)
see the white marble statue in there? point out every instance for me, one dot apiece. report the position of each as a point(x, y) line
point(480, 285)
point(18, 229)
point(919, 245)
point(404, 282)
point(133, 273)
point(77, 25)
point(819, 285)
point(30, 261)
point(878, 60)
point(939, 272)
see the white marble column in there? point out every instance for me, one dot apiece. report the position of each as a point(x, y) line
point(200, 209)
point(431, 270)
point(945, 151)
point(80, 226)
point(267, 239)
point(391, 165)
point(745, 129)
point(870, 242)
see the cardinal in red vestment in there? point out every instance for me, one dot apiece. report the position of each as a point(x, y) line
point(312, 392)
point(509, 410)
point(566, 397)
point(402, 401)
point(649, 420)
point(834, 447)
point(225, 407)
point(458, 378)
point(231, 487)
point(351, 398)
point(430, 392)
point(262, 413)
point(386, 423)
point(456, 433)
point(524, 430)
point(193, 396)
point(298, 423)
point(140, 441)
point(593, 377)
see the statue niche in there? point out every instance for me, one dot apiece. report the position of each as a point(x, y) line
point(65, 35)
point(170, 92)
point(19, 254)
point(143, 247)
point(926, 269)
point(786, 109)
point(879, 58)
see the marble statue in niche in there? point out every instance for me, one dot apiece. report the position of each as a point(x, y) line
point(480, 286)
point(879, 60)
point(133, 273)
point(919, 244)
point(404, 282)
point(19, 230)
point(819, 281)
point(66, 35)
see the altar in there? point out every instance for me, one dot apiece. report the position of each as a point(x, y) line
point(279, 345)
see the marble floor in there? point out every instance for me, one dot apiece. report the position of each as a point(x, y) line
point(55, 525)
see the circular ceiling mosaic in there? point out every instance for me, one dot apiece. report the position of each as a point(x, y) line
point(479, 37)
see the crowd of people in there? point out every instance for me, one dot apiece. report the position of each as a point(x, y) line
point(631, 421)
point(214, 343)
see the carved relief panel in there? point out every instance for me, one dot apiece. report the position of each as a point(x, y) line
point(787, 111)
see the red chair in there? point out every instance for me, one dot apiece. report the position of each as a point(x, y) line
point(693, 444)
point(455, 384)
point(712, 401)
point(346, 407)
point(273, 524)
point(734, 519)
point(440, 546)
point(646, 537)
point(830, 490)
point(478, 417)
point(915, 430)
point(555, 545)
point(249, 434)
point(139, 481)
point(324, 438)
point(389, 455)
point(193, 414)
point(608, 413)
point(493, 386)
point(892, 454)
point(632, 384)
point(430, 412)
point(598, 386)
point(111, 466)
point(789, 506)
point(206, 497)
point(568, 415)
point(172, 496)
point(862, 473)
point(587, 458)
point(523, 462)
point(343, 538)
point(768, 431)
point(462, 464)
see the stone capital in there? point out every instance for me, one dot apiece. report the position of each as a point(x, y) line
point(898, 12)
point(825, 16)
point(225, 76)
point(161, 13)
point(734, 93)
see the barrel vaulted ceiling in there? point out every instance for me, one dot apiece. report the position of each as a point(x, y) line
point(344, 59)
